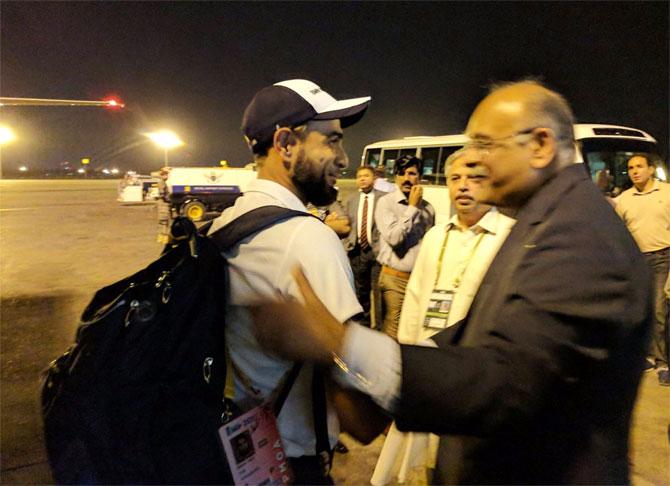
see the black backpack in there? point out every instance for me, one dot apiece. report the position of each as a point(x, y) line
point(138, 398)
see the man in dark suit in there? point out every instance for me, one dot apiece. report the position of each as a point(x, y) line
point(362, 242)
point(537, 384)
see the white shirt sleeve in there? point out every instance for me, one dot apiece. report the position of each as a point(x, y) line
point(374, 365)
point(326, 267)
point(409, 326)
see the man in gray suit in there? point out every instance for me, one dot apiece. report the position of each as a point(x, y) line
point(362, 242)
point(537, 384)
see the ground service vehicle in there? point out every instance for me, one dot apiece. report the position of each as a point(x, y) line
point(137, 188)
point(600, 147)
point(195, 191)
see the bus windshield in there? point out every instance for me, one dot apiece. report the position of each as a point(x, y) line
point(611, 156)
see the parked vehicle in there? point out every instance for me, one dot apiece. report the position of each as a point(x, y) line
point(195, 191)
point(137, 188)
point(600, 147)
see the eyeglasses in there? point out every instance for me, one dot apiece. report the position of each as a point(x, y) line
point(485, 145)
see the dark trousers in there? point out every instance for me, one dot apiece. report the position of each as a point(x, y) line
point(659, 262)
point(366, 277)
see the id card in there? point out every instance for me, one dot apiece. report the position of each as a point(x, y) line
point(439, 306)
point(254, 449)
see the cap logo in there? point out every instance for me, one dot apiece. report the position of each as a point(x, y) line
point(315, 91)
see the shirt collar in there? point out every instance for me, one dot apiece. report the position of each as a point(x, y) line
point(654, 187)
point(488, 223)
point(278, 192)
point(398, 195)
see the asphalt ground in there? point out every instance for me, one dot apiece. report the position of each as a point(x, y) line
point(62, 240)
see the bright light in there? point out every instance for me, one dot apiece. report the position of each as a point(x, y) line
point(23, 168)
point(115, 171)
point(81, 171)
point(6, 135)
point(660, 173)
point(105, 171)
point(165, 139)
point(113, 102)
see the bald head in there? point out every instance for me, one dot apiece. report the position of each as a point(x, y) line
point(539, 106)
point(522, 133)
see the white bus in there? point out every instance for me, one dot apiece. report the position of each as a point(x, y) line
point(599, 147)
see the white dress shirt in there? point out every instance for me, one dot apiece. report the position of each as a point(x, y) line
point(401, 228)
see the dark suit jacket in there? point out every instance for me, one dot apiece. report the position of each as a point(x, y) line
point(537, 384)
point(351, 209)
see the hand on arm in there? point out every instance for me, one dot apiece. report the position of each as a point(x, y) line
point(301, 332)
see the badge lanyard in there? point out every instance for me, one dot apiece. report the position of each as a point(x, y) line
point(439, 304)
point(459, 277)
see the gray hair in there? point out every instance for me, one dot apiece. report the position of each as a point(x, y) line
point(549, 109)
point(453, 158)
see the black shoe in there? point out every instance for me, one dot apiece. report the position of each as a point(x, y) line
point(664, 377)
point(341, 448)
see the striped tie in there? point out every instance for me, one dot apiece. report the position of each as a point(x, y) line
point(365, 244)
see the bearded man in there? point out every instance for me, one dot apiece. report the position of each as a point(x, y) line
point(294, 130)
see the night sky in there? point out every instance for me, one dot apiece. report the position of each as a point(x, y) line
point(193, 67)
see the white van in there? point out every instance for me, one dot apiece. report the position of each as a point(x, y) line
point(194, 191)
point(599, 147)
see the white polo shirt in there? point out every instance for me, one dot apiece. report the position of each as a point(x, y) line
point(260, 269)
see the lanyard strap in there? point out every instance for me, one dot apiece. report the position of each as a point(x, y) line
point(459, 277)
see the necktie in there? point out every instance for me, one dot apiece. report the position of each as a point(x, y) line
point(363, 238)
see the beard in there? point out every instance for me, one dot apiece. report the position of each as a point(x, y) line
point(309, 177)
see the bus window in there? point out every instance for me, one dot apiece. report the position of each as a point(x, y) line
point(372, 157)
point(430, 156)
point(407, 151)
point(445, 152)
point(388, 159)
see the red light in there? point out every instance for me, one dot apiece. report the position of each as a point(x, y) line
point(113, 103)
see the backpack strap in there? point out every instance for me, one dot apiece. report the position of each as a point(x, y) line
point(252, 222)
point(320, 414)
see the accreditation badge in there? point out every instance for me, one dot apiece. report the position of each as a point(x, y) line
point(439, 306)
point(254, 449)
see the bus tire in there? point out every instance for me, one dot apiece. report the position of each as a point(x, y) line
point(194, 210)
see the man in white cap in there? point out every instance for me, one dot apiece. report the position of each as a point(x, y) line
point(294, 130)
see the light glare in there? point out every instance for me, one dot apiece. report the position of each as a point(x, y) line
point(6, 135)
point(165, 139)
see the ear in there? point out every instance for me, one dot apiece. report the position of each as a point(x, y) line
point(283, 141)
point(544, 147)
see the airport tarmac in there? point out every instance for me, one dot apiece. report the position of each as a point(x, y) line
point(62, 240)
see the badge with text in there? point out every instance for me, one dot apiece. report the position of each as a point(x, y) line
point(254, 449)
point(439, 306)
